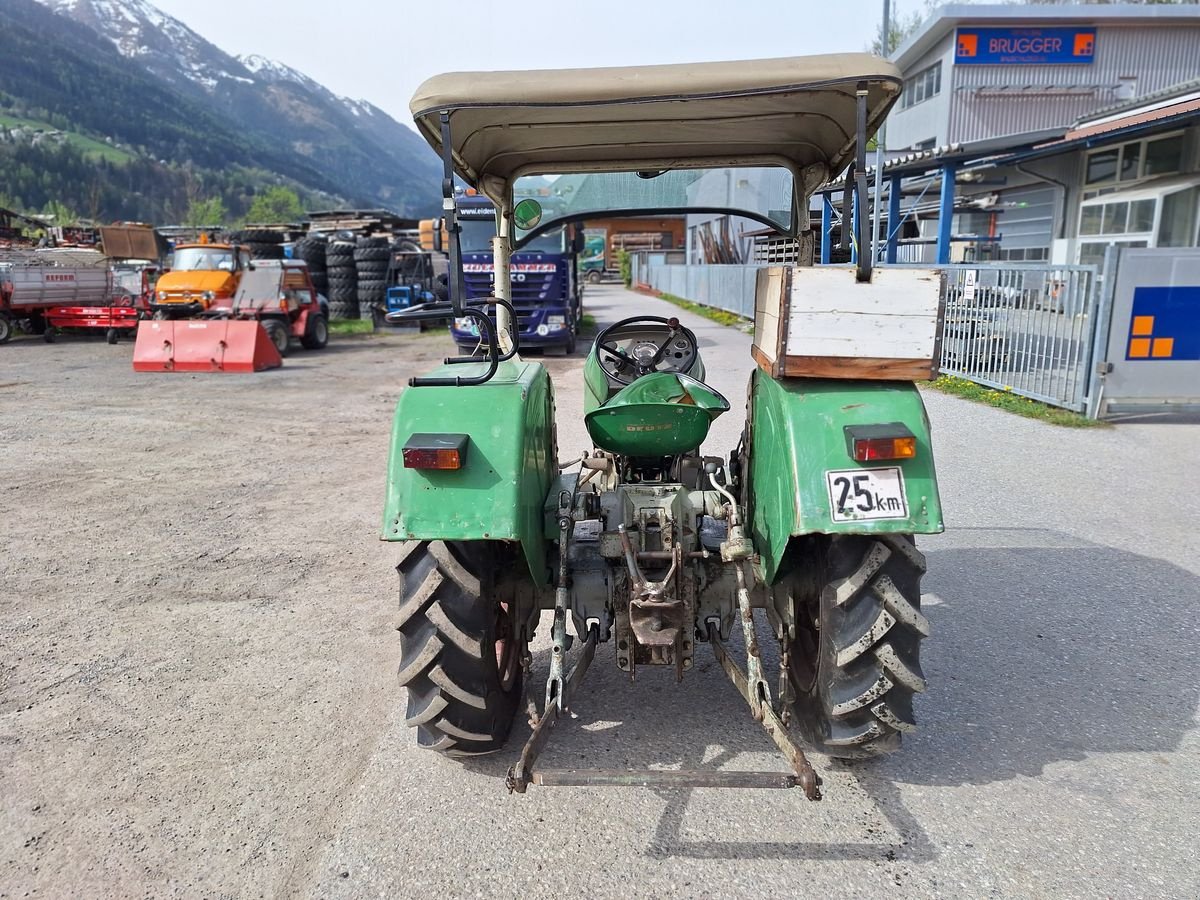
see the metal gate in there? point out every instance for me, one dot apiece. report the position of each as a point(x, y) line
point(1026, 329)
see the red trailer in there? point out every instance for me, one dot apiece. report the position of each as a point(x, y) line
point(29, 289)
point(49, 299)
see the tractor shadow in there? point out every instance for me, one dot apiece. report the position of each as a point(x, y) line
point(1043, 654)
point(1040, 654)
point(705, 724)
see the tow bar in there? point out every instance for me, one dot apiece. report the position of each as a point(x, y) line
point(524, 774)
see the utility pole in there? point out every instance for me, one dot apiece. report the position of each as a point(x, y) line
point(879, 232)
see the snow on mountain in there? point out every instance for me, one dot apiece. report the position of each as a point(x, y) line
point(139, 30)
point(362, 150)
point(271, 71)
point(359, 107)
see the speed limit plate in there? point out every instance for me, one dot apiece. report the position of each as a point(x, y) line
point(859, 494)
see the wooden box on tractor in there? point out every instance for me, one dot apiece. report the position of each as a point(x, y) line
point(818, 322)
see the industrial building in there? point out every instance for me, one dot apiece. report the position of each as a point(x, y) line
point(1042, 133)
point(981, 72)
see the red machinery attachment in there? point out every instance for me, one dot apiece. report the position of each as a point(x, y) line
point(113, 319)
point(211, 345)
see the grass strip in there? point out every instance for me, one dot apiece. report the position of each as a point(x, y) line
point(720, 316)
point(351, 326)
point(1010, 402)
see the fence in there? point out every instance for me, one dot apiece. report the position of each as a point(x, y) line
point(1028, 329)
point(723, 287)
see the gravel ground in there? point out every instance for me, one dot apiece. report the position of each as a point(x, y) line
point(197, 692)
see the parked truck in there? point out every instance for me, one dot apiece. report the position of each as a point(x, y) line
point(250, 331)
point(602, 245)
point(546, 291)
point(594, 260)
point(200, 275)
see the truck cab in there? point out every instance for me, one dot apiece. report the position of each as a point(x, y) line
point(200, 275)
point(545, 287)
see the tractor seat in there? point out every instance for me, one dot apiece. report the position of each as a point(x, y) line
point(660, 414)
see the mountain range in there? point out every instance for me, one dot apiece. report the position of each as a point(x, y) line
point(145, 101)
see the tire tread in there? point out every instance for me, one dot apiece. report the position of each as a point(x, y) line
point(455, 699)
point(869, 654)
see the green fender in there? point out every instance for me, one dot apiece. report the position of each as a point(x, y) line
point(797, 437)
point(510, 462)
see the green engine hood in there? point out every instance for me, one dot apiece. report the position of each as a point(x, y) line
point(661, 414)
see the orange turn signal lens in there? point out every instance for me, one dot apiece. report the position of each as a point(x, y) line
point(867, 449)
point(435, 451)
point(867, 443)
point(432, 459)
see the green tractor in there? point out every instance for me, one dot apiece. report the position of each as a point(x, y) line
point(642, 541)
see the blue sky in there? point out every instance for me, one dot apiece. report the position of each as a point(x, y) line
point(380, 51)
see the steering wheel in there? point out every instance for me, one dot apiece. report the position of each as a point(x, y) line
point(642, 363)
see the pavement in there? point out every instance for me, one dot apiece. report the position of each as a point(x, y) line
point(199, 724)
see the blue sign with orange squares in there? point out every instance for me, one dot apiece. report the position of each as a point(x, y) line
point(1165, 324)
point(1024, 46)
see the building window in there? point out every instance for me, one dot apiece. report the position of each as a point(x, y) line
point(1177, 225)
point(1091, 253)
point(1024, 254)
point(1164, 156)
point(1166, 217)
point(1102, 166)
point(925, 84)
point(1134, 161)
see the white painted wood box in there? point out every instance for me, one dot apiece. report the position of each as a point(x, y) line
point(818, 322)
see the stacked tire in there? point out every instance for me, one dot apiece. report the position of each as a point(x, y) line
point(262, 242)
point(371, 256)
point(312, 251)
point(342, 278)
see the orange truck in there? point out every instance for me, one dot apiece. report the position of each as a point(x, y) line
point(201, 274)
point(274, 303)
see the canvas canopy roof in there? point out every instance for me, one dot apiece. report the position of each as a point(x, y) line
point(798, 110)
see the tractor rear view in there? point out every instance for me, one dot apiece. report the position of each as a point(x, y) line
point(643, 540)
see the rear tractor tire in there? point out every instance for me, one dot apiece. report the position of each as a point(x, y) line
point(459, 657)
point(855, 662)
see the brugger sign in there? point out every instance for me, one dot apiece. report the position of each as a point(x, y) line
point(1024, 46)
